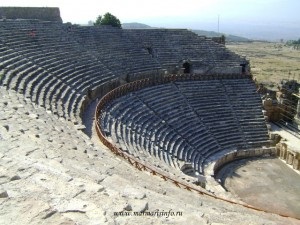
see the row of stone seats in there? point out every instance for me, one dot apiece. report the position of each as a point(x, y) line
point(113, 48)
point(128, 127)
point(56, 64)
point(247, 105)
point(170, 104)
point(131, 51)
point(208, 99)
point(47, 67)
point(53, 49)
point(237, 104)
point(187, 120)
point(172, 46)
point(199, 131)
point(140, 129)
point(159, 44)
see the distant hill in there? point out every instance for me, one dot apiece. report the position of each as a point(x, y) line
point(229, 37)
point(233, 38)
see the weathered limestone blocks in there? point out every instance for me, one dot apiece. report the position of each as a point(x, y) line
point(3, 193)
point(274, 139)
point(272, 111)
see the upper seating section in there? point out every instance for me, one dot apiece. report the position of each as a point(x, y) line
point(190, 121)
point(113, 47)
point(56, 65)
point(41, 61)
point(171, 46)
point(124, 51)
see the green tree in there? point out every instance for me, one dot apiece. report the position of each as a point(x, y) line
point(108, 19)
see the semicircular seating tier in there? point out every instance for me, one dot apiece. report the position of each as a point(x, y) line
point(191, 121)
point(172, 46)
point(61, 66)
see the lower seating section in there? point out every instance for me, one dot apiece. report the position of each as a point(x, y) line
point(248, 109)
point(189, 121)
point(136, 128)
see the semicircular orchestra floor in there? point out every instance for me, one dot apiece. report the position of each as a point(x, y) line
point(266, 183)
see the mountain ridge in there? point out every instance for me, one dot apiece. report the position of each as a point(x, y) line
point(229, 37)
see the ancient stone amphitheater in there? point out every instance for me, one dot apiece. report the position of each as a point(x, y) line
point(163, 102)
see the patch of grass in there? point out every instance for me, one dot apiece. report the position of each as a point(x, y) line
point(269, 63)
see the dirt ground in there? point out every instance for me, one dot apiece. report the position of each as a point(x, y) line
point(270, 62)
point(267, 183)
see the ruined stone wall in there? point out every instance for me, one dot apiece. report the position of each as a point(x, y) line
point(220, 40)
point(290, 156)
point(236, 155)
point(272, 111)
point(98, 92)
point(40, 13)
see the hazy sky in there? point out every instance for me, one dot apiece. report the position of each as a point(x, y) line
point(195, 14)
